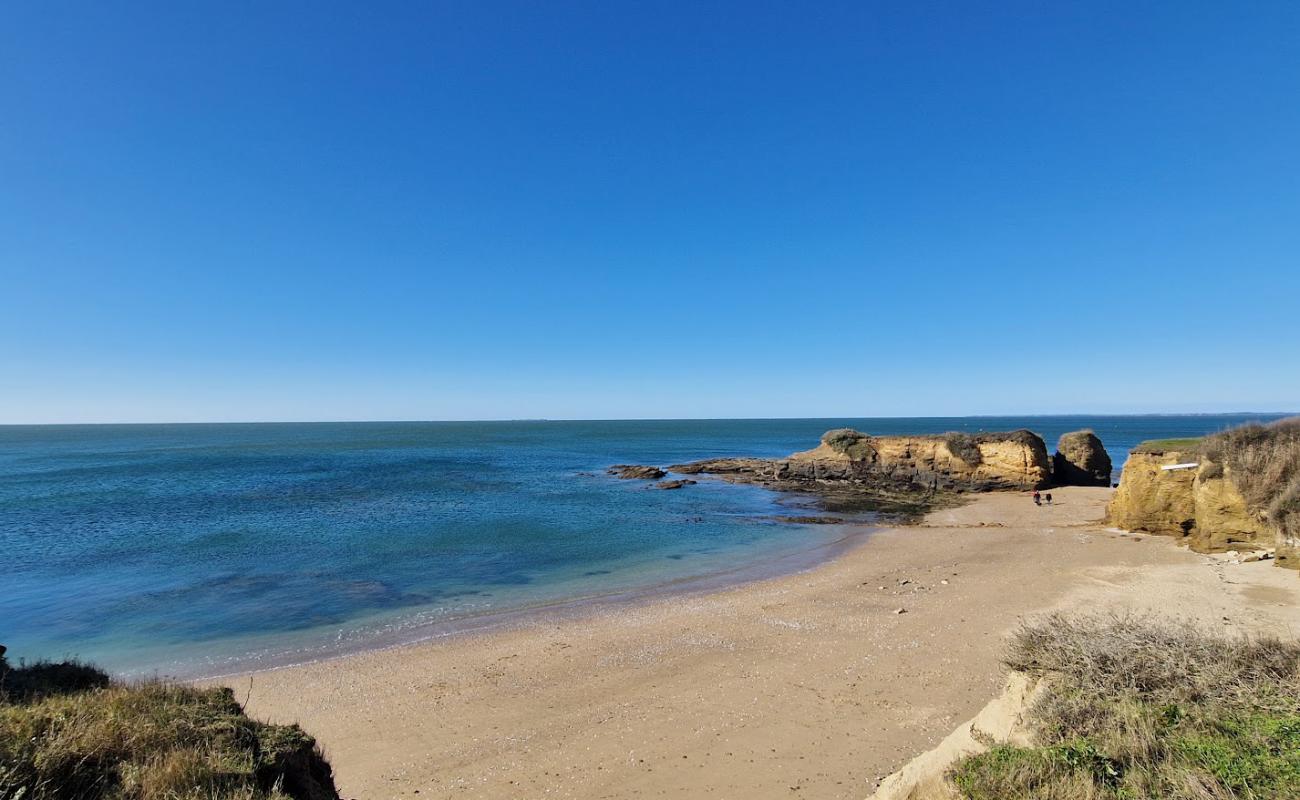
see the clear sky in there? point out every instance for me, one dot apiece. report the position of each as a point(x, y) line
point(443, 210)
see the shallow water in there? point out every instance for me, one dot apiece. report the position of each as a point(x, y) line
point(192, 549)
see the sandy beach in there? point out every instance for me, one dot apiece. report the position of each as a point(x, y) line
point(815, 684)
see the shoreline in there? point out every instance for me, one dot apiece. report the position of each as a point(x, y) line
point(805, 683)
point(575, 608)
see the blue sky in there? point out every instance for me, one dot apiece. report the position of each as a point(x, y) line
point(262, 211)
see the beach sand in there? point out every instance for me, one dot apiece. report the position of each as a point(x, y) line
point(808, 685)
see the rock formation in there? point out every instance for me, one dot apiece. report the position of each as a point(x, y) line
point(1080, 460)
point(636, 472)
point(895, 469)
point(954, 461)
point(1152, 499)
point(674, 484)
point(1198, 503)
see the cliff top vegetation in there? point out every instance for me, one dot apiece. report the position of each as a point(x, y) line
point(1264, 464)
point(1138, 707)
point(68, 732)
point(1157, 446)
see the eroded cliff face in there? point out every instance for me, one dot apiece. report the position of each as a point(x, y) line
point(1222, 517)
point(1199, 504)
point(1288, 550)
point(1154, 500)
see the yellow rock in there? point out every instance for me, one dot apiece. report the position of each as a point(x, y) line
point(1016, 460)
point(1200, 505)
point(1155, 500)
point(1222, 518)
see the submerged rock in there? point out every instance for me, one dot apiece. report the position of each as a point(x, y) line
point(636, 472)
point(675, 484)
point(1081, 460)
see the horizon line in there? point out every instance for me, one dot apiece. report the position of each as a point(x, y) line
point(650, 419)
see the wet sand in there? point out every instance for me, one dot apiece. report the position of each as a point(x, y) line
point(815, 684)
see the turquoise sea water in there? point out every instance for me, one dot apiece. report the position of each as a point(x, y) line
point(201, 549)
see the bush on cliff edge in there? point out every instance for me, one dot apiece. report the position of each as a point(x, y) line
point(1144, 709)
point(1264, 462)
point(69, 733)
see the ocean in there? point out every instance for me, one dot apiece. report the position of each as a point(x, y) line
point(204, 549)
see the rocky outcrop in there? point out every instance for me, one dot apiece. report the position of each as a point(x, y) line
point(950, 462)
point(636, 472)
point(1263, 462)
point(1152, 499)
point(1223, 519)
point(850, 471)
point(1196, 501)
point(1081, 460)
point(675, 484)
point(758, 468)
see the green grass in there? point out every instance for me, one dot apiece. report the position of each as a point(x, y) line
point(1168, 445)
point(1138, 709)
point(69, 733)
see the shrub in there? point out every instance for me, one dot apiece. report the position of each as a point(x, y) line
point(74, 735)
point(46, 678)
point(854, 444)
point(1137, 708)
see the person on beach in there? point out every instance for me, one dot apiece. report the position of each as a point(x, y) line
point(1037, 498)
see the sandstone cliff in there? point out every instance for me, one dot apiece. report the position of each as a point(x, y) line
point(1263, 462)
point(1199, 504)
point(954, 461)
point(852, 470)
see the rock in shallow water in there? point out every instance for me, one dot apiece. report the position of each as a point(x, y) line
point(636, 472)
point(676, 484)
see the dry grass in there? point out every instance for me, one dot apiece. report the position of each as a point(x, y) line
point(90, 739)
point(1170, 659)
point(1141, 708)
point(1264, 462)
